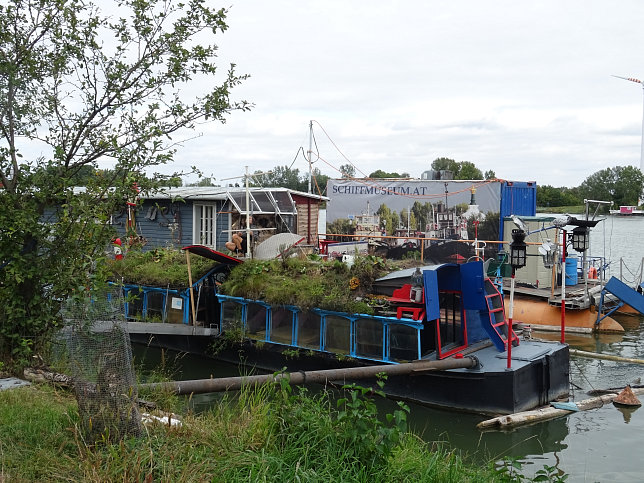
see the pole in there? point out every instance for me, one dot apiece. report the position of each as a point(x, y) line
point(642, 142)
point(563, 289)
point(247, 218)
point(310, 151)
point(200, 386)
point(192, 295)
point(509, 321)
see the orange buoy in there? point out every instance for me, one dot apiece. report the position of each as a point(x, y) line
point(592, 273)
point(626, 398)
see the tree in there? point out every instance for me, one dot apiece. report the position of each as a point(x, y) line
point(623, 185)
point(280, 176)
point(467, 170)
point(460, 170)
point(85, 88)
point(550, 196)
point(348, 170)
point(489, 174)
point(380, 174)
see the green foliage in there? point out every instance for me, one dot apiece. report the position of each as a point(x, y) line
point(271, 433)
point(347, 170)
point(81, 100)
point(369, 437)
point(306, 283)
point(550, 196)
point(341, 226)
point(623, 185)
point(379, 173)
point(158, 268)
point(460, 170)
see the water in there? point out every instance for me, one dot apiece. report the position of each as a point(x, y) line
point(597, 445)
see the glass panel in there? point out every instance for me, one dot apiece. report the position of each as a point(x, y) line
point(135, 304)
point(256, 321)
point(281, 325)
point(240, 200)
point(369, 338)
point(283, 201)
point(308, 330)
point(338, 335)
point(231, 315)
point(403, 343)
point(264, 203)
point(155, 310)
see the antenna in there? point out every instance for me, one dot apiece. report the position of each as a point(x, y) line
point(637, 81)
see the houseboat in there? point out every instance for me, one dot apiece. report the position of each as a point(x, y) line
point(438, 312)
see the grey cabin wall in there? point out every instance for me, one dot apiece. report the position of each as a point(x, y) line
point(164, 224)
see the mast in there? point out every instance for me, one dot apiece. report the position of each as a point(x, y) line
point(310, 152)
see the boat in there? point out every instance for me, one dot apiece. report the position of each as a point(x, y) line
point(627, 210)
point(550, 281)
point(445, 312)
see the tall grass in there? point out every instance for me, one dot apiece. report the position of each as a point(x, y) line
point(272, 433)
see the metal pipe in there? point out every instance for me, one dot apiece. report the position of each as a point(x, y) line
point(200, 386)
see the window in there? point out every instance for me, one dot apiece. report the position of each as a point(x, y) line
point(204, 225)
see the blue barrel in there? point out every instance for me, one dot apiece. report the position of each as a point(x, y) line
point(571, 271)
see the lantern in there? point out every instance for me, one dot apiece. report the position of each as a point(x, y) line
point(580, 239)
point(518, 249)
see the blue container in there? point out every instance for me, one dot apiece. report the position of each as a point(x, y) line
point(571, 271)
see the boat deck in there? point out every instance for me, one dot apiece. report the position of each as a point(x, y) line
point(491, 360)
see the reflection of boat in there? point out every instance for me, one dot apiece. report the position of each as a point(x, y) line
point(445, 313)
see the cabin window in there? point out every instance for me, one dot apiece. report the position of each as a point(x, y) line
point(231, 315)
point(369, 338)
point(281, 325)
point(205, 217)
point(256, 321)
point(337, 335)
point(155, 311)
point(403, 342)
point(451, 326)
point(308, 330)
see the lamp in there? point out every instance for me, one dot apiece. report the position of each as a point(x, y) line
point(547, 251)
point(517, 249)
point(580, 239)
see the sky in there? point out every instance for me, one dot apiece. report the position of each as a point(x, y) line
point(524, 89)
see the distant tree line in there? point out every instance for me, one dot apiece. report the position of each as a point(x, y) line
point(623, 185)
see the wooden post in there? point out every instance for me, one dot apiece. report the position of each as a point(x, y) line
point(192, 295)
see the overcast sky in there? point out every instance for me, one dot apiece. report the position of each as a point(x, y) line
point(520, 88)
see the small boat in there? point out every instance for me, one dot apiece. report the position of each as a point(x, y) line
point(446, 312)
point(627, 210)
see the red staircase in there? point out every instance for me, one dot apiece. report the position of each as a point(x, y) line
point(496, 310)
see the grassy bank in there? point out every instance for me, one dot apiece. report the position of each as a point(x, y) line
point(272, 434)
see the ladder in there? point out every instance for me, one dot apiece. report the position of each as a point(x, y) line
point(496, 314)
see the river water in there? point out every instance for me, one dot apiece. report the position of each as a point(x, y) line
point(597, 445)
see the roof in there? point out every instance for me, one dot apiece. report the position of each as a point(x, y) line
point(214, 193)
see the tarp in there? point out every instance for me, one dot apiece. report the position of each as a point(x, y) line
point(275, 245)
point(211, 254)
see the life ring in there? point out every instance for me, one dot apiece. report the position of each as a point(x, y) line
point(592, 273)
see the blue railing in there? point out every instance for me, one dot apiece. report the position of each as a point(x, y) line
point(362, 336)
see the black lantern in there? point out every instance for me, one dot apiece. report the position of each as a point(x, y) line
point(580, 239)
point(517, 249)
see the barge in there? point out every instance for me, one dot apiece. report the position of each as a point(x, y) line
point(437, 312)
